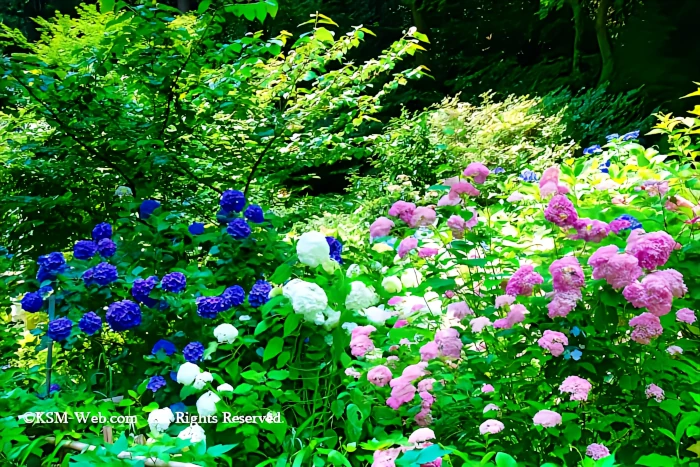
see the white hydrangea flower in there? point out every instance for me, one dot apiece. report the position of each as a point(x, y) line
point(307, 299)
point(187, 373)
point(202, 379)
point(244, 318)
point(392, 284)
point(353, 271)
point(333, 317)
point(411, 277)
point(225, 388)
point(226, 333)
point(377, 315)
point(360, 297)
point(349, 327)
point(313, 249)
point(194, 433)
point(160, 419)
point(123, 191)
point(206, 404)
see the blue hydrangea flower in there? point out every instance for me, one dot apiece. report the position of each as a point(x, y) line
point(499, 170)
point(193, 352)
point(141, 288)
point(576, 354)
point(45, 291)
point(106, 247)
point(234, 296)
point(575, 331)
point(84, 249)
point(612, 137)
point(595, 149)
point(174, 282)
point(59, 329)
point(634, 223)
point(605, 166)
point(196, 228)
point(254, 213)
point(50, 265)
point(54, 388)
point(167, 347)
point(123, 315)
point(178, 407)
point(173, 376)
point(32, 302)
point(147, 208)
point(238, 229)
point(90, 323)
point(629, 136)
point(102, 274)
point(528, 175)
point(103, 230)
point(155, 383)
point(259, 294)
point(209, 307)
point(336, 249)
point(232, 201)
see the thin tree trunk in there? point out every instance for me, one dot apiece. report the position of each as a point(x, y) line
point(601, 30)
point(578, 34)
point(183, 5)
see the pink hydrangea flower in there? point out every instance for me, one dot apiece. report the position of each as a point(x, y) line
point(426, 252)
point(515, 197)
point(450, 199)
point(487, 388)
point(674, 279)
point(549, 183)
point(674, 350)
point(590, 230)
point(379, 376)
point(474, 220)
point(654, 293)
point(567, 274)
point(490, 407)
point(360, 343)
point(619, 270)
point(674, 202)
point(553, 341)
point(646, 327)
point(651, 249)
point(448, 343)
point(380, 227)
point(429, 351)
point(686, 315)
point(563, 303)
point(478, 324)
point(395, 300)
point(577, 387)
point(491, 427)
point(413, 372)
point(560, 211)
point(457, 225)
point(656, 392)
point(352, 372)
point(386, 457)
point(654, 188)
point(547, 418)
point(597, 451)
point(421, 435)
point(515, 315)
point(477, 171)
point(459, 310)
point(406, 245)
point(402, 210)
point(402, 392)
point(423, 216)
point(392, 359)
point(426, 385)
point(449, 293)
point(400, 323)
point(503, 300)
point(523, 280)
point(618, 225)
point(464, 188)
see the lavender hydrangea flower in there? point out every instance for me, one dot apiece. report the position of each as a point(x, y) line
point(141, 288)
point(54, 388)
point(499, 170)
point(123, 315)
point(232, 200)
point(629, 136)
point(147, 208)
point(528, 175)
point(612, 137)
point(167, 347)
point(595, 149)
point(259, 294)
point(254, 213)
point(193, 352)
point(155, 383)
point(196, 228)
point(174, 282)
point(84, 249)
point(45, 291)
point(634, 223)
point(106, 248)
point(32, 302)
point(238, 229)
point(234, 296)
point(59, 329)
point(210, 307)
point(90, 323)
point(102, 230)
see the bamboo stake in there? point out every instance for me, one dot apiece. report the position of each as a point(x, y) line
point(149, 461)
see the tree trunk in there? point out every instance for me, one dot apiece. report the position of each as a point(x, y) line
point(601, 30)
point(183, 5)
point(578, 34)
point(421, 25)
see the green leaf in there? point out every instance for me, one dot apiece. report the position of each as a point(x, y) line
point(106, 5)
point(505, 460)
point(656, 460)
point(324, 35)
point(273, 348)
point(278, 375)
point(291, 324)
point(337, 458)
point(243, 388)
point(671, 406)
point(281, 274)
point(263, 326)
point(203, 6)
point(572, 433)
point(220, 449)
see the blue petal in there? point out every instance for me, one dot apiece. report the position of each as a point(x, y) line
point(575, 331)
point(576, 354)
